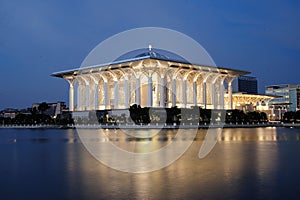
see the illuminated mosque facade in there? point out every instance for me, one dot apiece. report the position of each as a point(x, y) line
point(150, 80)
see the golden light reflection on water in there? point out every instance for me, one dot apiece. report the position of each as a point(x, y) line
point(241, 156)
point(260, 163)
point(164, 137)
point(257, 134)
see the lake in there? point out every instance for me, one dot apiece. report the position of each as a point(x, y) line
point(246, 163)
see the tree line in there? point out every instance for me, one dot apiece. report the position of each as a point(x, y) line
point(195, 115)
point(291, 116)
point(175, 115)
point(37, 115)
point(145, 115)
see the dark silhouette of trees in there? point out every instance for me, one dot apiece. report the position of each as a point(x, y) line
point(205, 116)
point(64, 119)
point(173, 115)
point(34, 111)
point(23, 119)
point(256, 116)
point(236, 116)
point(239, 116)
point(196, 115)
point(139, 115)
point(145, 115)
point(297, 116)
point(43, 107)
point(291, 116)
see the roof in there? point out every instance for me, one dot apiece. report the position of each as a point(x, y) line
point(151, 55)
point(280, 104)
point(255, 95)
point(282, 86)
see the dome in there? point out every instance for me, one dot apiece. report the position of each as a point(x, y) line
point(152, 54)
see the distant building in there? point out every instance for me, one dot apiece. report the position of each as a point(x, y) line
point(53, 109)
point(9, 113)
point(25, 111)
point(289, 96)
point(250, 102)
point(288, 100)
point(245, 84)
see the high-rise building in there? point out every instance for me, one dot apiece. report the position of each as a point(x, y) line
point(245, 84)
point(289, 96)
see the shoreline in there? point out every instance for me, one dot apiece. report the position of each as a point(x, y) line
point(153, 126)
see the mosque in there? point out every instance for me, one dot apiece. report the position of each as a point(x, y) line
point(149, 79)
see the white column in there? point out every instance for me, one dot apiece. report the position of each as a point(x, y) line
point(87, 96)
point(221, 96)
point(156, 93)
point(71, 95)
point(137, 91)
point(129, 93)
point(126, 100)
point(162, 92)
point(106, 95)
point(150, 94)
point(96, 96)
point(91, 97)
point(230, 95)
point(82, 96)
point(184, 97)
point(79, 96)
point(195, 93)
point(173, 92)
point(204, 94)
point(116, 94)
point(213, 95)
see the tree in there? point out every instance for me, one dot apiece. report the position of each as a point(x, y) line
point(263, 116)
point(289, 116)
point(33, 111)
point(256, 116)
point(297, 116)
point(205, 115)
point(173, 115)
point(235, 116)
point(43, 107)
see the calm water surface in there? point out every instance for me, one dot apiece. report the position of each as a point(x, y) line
point(254, 163)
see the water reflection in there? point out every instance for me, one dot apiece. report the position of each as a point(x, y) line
point(257, 134)
point(245, 164)
point(235, 168)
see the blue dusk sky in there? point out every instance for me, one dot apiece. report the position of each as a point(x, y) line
point(41, 37)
